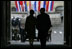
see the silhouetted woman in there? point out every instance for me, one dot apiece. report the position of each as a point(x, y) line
point(30, 27)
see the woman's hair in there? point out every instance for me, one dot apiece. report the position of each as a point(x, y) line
point(31, 12)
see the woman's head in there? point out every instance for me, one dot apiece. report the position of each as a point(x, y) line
point(31, 12)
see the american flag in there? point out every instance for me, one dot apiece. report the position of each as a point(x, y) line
point(23, 6)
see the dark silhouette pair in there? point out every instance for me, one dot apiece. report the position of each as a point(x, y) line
point(42, 23)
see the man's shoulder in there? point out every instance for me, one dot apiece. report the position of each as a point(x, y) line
point(46, 14)
point(39, 15)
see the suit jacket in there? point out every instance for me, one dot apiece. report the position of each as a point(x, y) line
point(43, 24)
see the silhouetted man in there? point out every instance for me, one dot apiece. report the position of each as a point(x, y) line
point(43, 25)
point(30, 27)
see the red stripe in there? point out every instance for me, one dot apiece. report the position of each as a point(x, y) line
point(52, 5)
point(16, 5)
point(21, 3)
point(39, 6)
point(30, 5)
point(47, 6)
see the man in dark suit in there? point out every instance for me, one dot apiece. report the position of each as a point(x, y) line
point(43, 25)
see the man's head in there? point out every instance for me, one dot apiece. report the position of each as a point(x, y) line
point(31, 12)
point(42, 10)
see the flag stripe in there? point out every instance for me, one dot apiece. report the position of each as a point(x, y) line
point(21, 3)
point(39, 6)
point(44, 4)
point(25, 6)
point(18, 5)
point(47, 5)
point(30, 5)
point(52, 5)
point(35, 5)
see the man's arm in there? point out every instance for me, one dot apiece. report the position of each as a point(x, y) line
point(50, 21)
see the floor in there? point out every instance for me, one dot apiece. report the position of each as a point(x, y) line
point(57, 37)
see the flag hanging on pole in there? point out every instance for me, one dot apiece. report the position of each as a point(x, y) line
point(47, 5)
point(44, 4)
point(35, 6)
point(21, 5)
point(51, 4)
point(17, 6)
point(39, 5)
point(25, 6)
point(17, 9)
point(29, 5)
